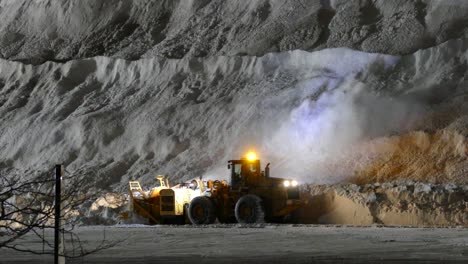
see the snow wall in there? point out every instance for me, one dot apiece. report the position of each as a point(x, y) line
point(321, 117)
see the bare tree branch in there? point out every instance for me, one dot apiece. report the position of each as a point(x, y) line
point(27, 208)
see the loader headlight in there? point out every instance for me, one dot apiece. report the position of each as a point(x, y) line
point(251, 156)
point(292, 183)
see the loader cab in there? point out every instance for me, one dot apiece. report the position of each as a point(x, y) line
point(246, 172)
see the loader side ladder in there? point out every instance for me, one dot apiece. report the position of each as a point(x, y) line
point(135, 186)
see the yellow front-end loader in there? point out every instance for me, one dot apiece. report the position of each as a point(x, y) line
point(252, 196)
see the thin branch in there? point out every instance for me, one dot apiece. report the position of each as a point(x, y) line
point(34, 211)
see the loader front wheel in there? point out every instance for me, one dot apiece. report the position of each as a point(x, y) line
point(201, 211)
point(249, 209)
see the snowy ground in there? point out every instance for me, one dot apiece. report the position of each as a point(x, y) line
point(267, 244)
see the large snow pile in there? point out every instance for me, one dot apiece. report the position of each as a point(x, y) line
point(120, 90)
point(322, 117)
point(177, 91)
point(48, 30)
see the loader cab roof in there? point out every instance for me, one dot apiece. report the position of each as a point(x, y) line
point(243, 161)
point(252, 166)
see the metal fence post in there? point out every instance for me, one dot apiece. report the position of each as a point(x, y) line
point(58, 243)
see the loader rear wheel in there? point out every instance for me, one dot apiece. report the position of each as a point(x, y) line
point(249, 209)
point(201, 211)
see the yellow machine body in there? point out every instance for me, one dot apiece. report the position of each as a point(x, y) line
point(163, 203)
point(174, 200)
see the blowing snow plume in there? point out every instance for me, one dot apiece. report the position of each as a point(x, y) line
point(319, 140)
point(348, 128)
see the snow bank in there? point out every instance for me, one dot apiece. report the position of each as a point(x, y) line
point(397, 203)
point(392, 203)
point(106, 210)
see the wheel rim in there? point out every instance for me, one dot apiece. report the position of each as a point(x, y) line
point(198, 212)
point(246, 211)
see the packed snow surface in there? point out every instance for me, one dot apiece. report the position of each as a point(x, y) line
point(263, 244)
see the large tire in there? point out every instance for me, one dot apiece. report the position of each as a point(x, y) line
point(202, 211)
point(249, 210)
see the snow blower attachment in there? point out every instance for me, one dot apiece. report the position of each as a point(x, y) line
point(164, 204)
point(251, 197)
